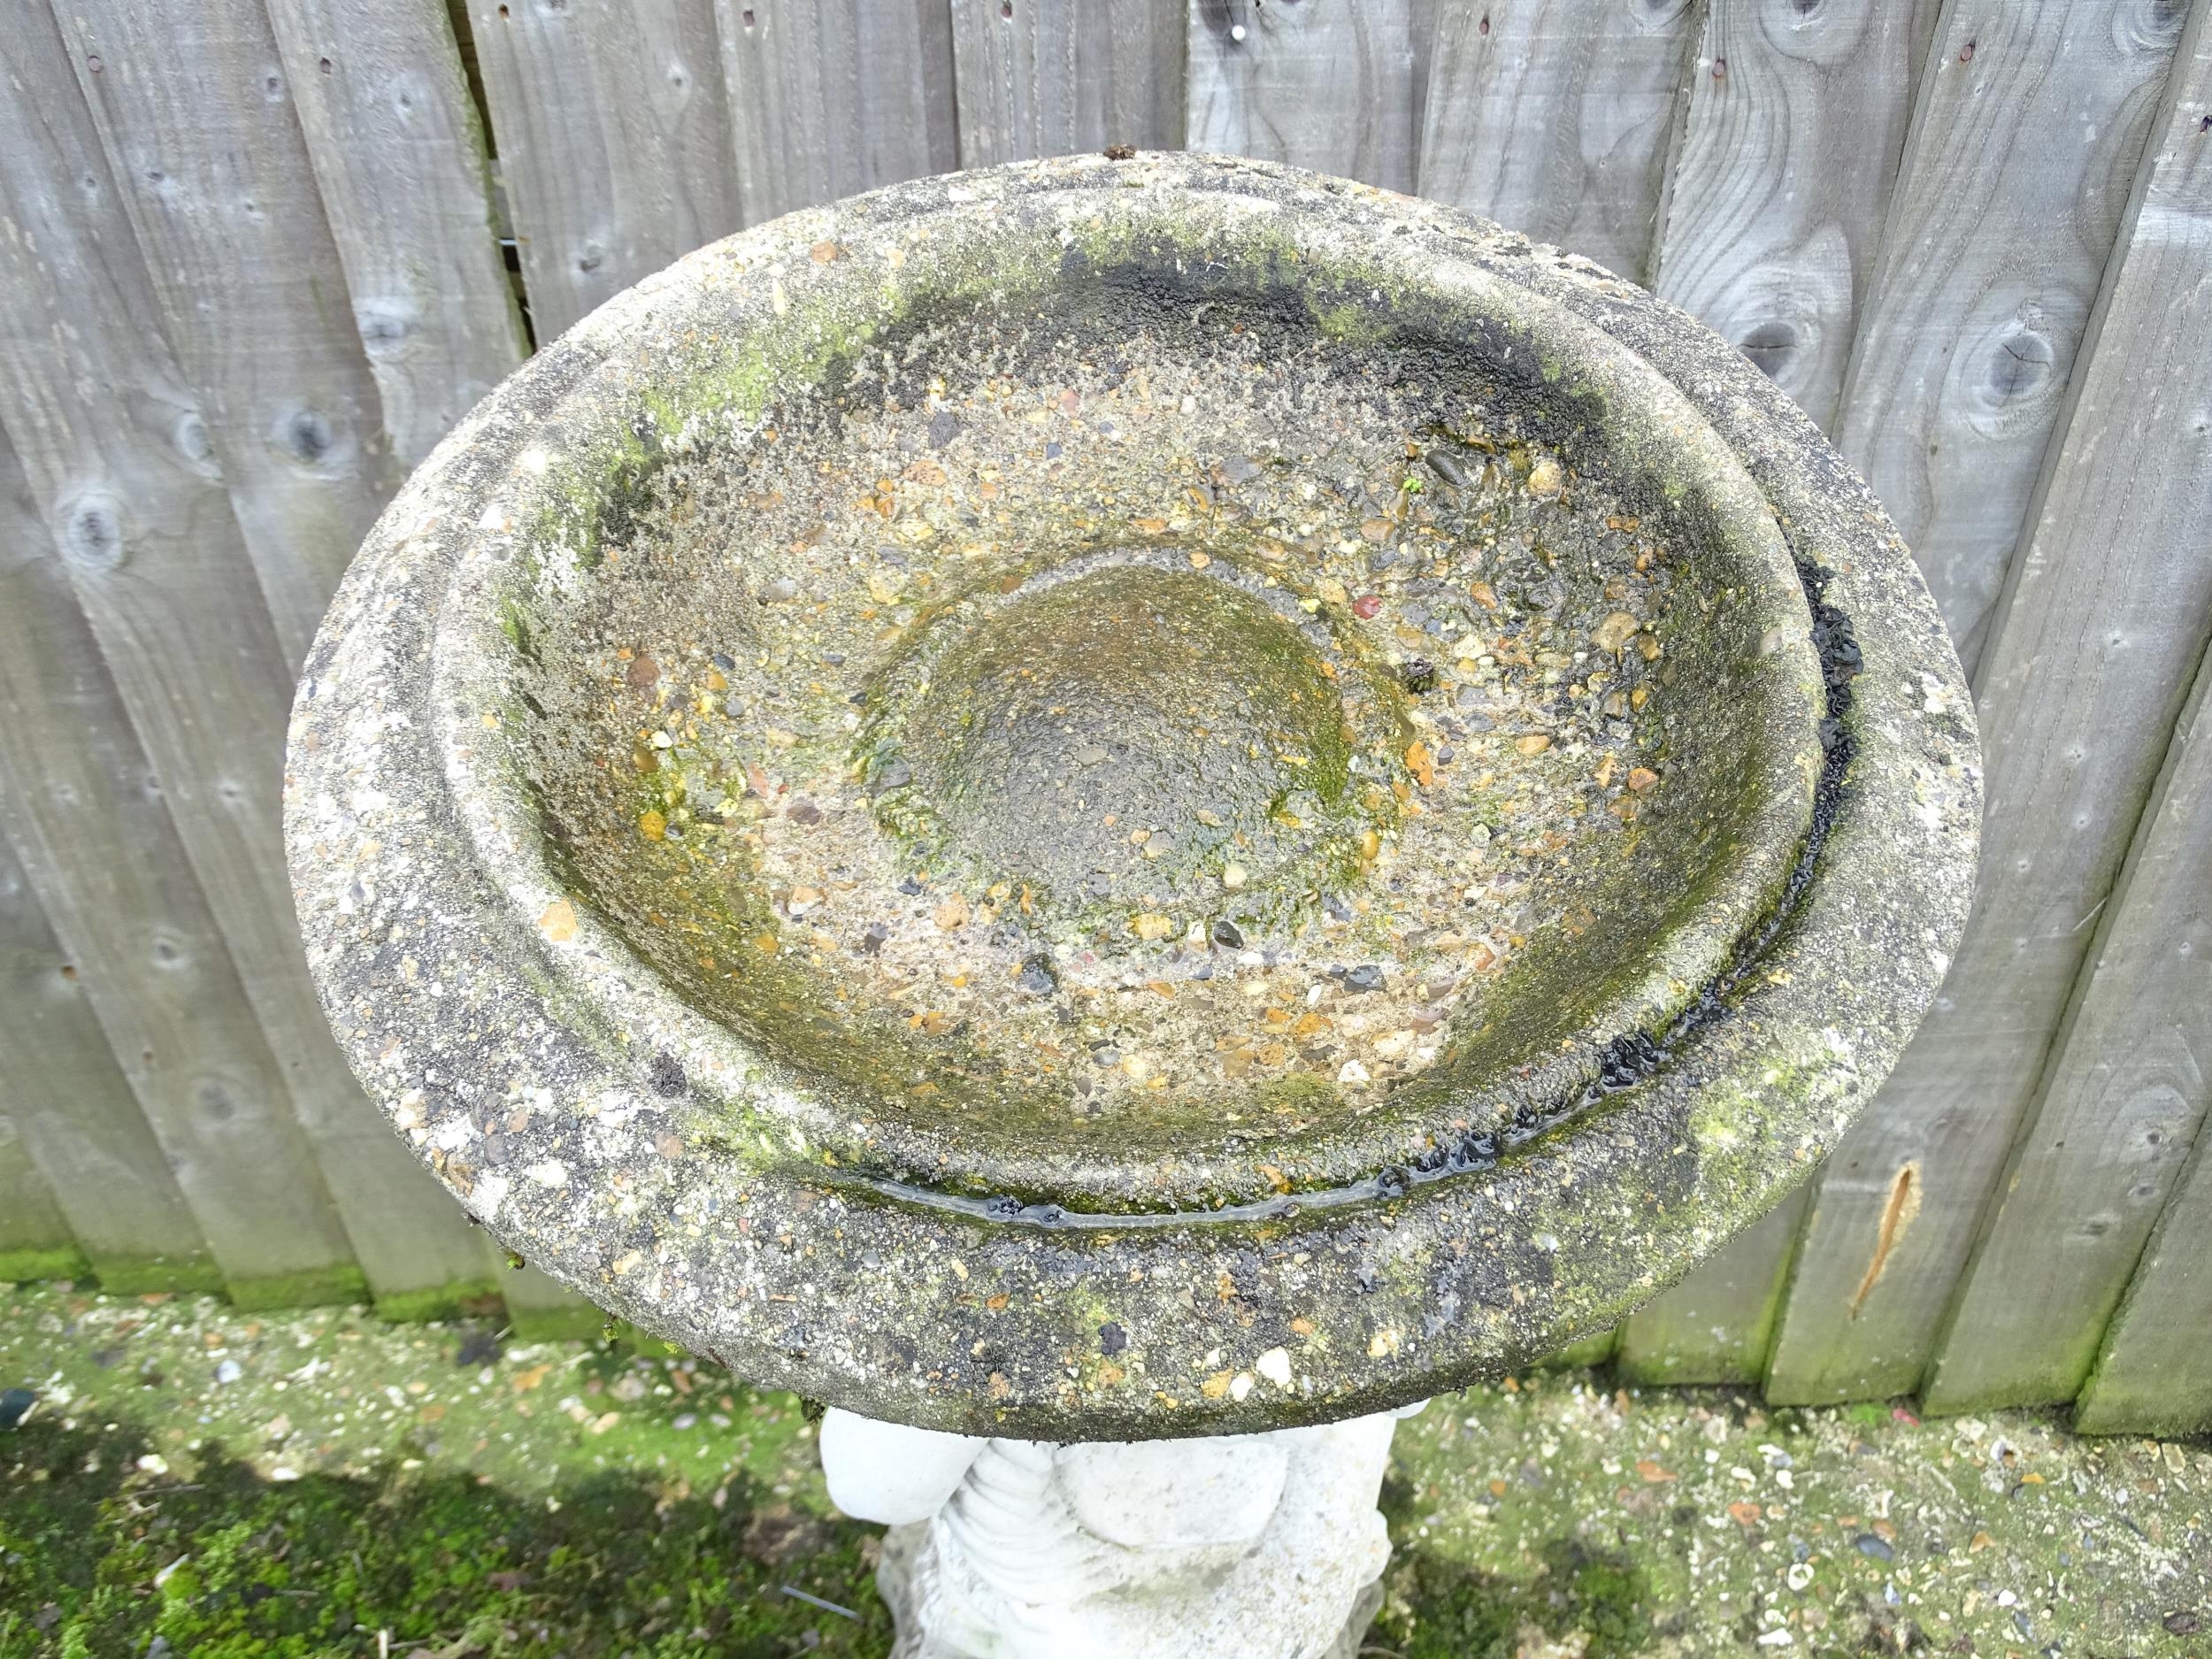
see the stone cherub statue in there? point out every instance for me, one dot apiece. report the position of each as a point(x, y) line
point(1213, 1548)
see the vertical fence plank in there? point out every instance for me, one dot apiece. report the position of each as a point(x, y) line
point(2031, 124)
point(1326, 84)
point(1590, 1351)
point(2085, 672)
point(192, 114)
point(1776, 190)
point(2120, 1104)
point(1717, 1325)
point(2125, 1091)
point(399, 155)
point(70, 1104)
point(833, 97)
point(34, 1240)
point(117, 457)
point(2152, 1376)
point(79, 802)
point(1775, 194)
point(613, 134)
point(1553, 116)
point(1057, 77)
point(543, 1309)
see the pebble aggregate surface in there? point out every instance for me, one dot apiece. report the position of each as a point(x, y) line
point(1445, 757)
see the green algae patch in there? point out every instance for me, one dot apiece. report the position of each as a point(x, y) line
point(1042, 756)
point(437, 1302)
point(65, 1263)
point(308, 1288)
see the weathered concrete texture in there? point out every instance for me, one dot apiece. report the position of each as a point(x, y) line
point(1189, 1549)
point(1585, 1133)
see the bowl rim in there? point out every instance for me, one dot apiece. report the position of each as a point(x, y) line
point(881, 1299)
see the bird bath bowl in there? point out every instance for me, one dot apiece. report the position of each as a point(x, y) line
point(1123, 799)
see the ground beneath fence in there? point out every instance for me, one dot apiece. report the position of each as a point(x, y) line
point(181, 1479)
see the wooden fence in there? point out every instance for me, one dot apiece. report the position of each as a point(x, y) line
point(257, 255)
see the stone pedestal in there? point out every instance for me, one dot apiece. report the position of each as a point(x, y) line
point(1239, 1546)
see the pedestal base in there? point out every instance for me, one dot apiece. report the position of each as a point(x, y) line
point(1246, 1547)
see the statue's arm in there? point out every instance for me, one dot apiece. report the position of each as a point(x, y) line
point(887, 1473)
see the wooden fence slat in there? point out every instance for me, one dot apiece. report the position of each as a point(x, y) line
point(1775, 194)
point(829, 97)
point(613, 135)
point(34, 1240)
point(1717, 1325)
point(118, 459)
point(2152, 1376)
point(543, 1309)
point(79, 802)
point(70, 1104)
point(2119, 1106)
point(1774, 200)
point(1326, 84)
point(192, 111)
point(1590, 1351)
point(2124, 1094)
point(2032, 123)
point(1553, 117)
point(238, 256)
point(398, 152)
point(1058, 77)
point(2086, 670)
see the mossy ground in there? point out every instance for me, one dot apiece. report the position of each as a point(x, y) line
point(206, 1483)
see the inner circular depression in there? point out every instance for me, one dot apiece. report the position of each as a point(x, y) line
point(1132, 730)
point(1079, 746)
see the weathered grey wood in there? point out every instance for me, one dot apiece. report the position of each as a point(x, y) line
point(833, 96)
point(34, 1240)
point(1777, 184)
point(1717, 1325)
point(2122, 1099)
point(195, 119)
point(1775, 194)
point(68, 1104)
point(2032, 119)
point(1326, 84)
point(2118, 1109)
point(542, 1309)
point(2155, 1373)
point(1553, 117)
point(613, 135)
point(1056, 77)
point(399, 154)
point(81, 808)
point(2086, 671)
point(117, 455)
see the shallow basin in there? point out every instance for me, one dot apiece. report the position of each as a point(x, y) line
point(1111, 798)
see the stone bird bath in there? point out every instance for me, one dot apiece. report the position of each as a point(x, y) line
point(1119, 800)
